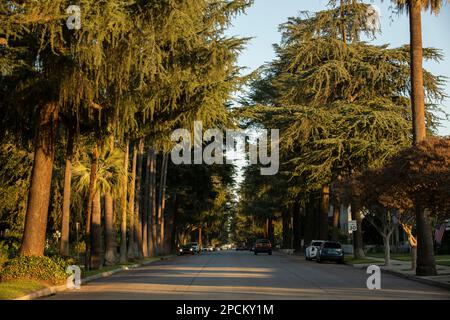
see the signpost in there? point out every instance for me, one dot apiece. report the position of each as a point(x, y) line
point(352, 226)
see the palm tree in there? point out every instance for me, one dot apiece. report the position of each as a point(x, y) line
point(162, 203)
point(426, 264)
point(123, 195)
point(109, 172)
point(65, 224)
point(131, 254)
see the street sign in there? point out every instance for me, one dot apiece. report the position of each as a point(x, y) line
point(352, 226)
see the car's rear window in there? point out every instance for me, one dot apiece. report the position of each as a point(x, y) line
point(333, 245)
point(317, 244)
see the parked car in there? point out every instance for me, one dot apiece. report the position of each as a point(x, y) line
point(263, 246)
point(196, 247)
point(330, 251)
point(189, 248)
point(242, 246)
point(312, 250)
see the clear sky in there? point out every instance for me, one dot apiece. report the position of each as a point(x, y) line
point(262, 20)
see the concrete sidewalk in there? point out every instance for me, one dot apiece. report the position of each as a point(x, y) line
point(403, 269)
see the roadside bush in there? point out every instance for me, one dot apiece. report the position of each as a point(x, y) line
point(3, 255)
point(10, 246)
point(35, 268)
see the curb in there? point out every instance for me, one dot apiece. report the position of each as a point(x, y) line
point(407, 276)
point(418, 279)
point(61, 288)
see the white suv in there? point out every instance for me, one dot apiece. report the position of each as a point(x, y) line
point(312, 250)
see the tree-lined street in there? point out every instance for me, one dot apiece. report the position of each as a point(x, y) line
point(122, 121)
point(240, 275)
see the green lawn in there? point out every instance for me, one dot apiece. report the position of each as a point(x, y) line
point(351, 260)
point(440, 259)
point(19, 288)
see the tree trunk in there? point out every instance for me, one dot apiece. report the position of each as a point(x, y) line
point(336, 218)
point(65, 224)
point(110, 233)
point(387, 249)
point(413, 258)
point(342, 26)
point(200, 238)
point(358, 245)
point(96, 235)
point(146, 207)
point(33, 241)
point(171, 229)
point(131, 243)
point(162, 201)
point(324, 208)
point(137, 205)
point(426, 263)
point(270, 233)
point(316, 213)
point(152, 204)
point(287, 229)
point(123, 200)
point(309, 223)
point(91, 193)
point(417, 83)
point(296, 226)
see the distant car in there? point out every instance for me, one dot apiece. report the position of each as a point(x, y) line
point(189, 248)
point(210, 248)
point(242, 247)
point(263, 246)
point(196, 247)
point(186, 249)
point(313, 248)
point(330, 251)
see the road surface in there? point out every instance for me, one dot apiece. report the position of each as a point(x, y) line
point(231, 275)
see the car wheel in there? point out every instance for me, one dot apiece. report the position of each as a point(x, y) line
point(256, 253)
point(270, 253)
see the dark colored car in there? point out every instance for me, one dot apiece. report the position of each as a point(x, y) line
point(330, 251)
point(263, 246)
point(190, 248)
point(242, 246)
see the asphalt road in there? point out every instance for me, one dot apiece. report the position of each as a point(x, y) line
point(232, 275)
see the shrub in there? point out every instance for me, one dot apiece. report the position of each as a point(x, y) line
point(3, 259)
point(35, 268)
point(3, 254)
point(10, 246)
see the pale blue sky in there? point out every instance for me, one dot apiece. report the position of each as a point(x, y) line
point(262, 21)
